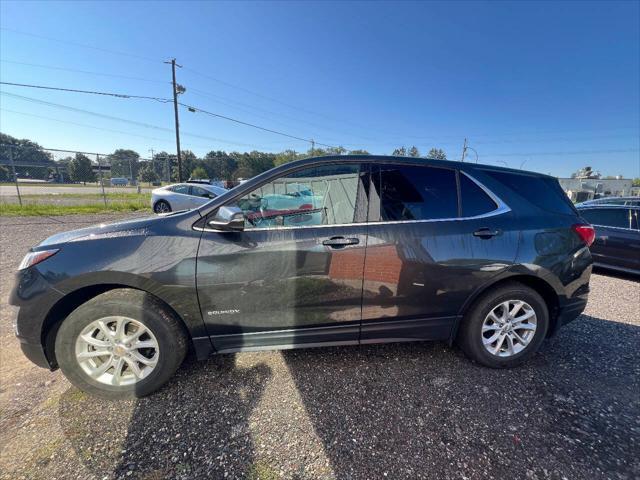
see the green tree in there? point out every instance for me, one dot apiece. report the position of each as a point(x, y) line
point(436, 154)
point(199, 173)
point(124, 163)
point(163, 163)
point(413, 152)
point(335, 150)
point(358, 152)
point(252, 163)
point(5, 176)
point(80, 169)
point(400, 152)
point(636, 182)
point(33, 160)
point(147, 173)
point(285, 157)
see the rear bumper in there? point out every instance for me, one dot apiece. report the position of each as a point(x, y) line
point(572, 308)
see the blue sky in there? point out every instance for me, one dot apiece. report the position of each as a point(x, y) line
point(550, 86)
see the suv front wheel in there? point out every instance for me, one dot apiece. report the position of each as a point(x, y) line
point(121, 344)
point(505, 327)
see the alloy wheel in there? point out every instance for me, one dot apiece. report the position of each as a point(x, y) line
point(117, 350)
point(162, 207)
point(509, 328)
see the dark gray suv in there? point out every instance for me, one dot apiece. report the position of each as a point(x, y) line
point(325, 251)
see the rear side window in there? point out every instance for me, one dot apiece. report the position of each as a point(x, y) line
point(183, 189)
point(409, 192)
point(474, 200)
point(608, 217)
point(543, 192)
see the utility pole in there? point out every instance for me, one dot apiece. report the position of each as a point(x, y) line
point(153, 167)
point(175, 109)
point(313, 146)
point(464, 150)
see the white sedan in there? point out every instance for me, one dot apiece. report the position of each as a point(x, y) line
point(183, 196)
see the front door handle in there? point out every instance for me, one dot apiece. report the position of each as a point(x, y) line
point(486, 233)
point(340, 242)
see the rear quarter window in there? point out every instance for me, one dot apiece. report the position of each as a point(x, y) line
point(544, 192)
point(474, 200)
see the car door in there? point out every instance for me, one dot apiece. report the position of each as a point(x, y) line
point(423, 260)
point(614, 236)
point(180, 197)
point(293, 276)
point(624, 241)
point(200, 196)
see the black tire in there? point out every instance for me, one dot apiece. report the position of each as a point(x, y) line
point(161, 206)
point(137, 305)
point(470, 336)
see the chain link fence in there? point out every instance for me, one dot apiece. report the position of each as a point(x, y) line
point(32, 177)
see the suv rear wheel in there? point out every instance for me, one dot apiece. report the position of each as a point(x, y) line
point(504, 327)
point(121, 344)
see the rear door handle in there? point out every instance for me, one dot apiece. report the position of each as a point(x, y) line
point(486, 233)
point(339, 242)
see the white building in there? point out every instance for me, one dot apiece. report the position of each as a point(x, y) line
point(581, 189)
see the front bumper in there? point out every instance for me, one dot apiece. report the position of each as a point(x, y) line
point(35, 353)
point(35, 298)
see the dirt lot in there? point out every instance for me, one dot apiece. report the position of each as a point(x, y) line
point(392, 411)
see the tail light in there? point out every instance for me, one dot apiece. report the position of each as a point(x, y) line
point(33, 258)
point(585, 232)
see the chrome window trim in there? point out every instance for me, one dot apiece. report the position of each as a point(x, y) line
point(501, 209)
point(615, 228)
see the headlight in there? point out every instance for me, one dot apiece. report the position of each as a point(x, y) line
point(33, 258)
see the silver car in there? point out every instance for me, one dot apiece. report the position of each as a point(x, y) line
point(183, 196)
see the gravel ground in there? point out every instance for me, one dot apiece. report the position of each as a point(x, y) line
point(386, 411)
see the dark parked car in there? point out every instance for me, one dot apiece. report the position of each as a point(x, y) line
point(627, 201)
point(324, 251)
point(617, 243)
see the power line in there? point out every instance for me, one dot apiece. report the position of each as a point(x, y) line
point(166, 100)
point(123, 120)
point(84, 125)
point(224, 117)
point(92, 92)
point(275, 100)
point(64, 69)
point(248, 109)
point(100, 49)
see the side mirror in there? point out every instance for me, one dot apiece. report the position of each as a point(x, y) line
point(228, 219)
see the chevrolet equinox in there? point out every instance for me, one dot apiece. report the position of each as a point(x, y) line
point(324, 251)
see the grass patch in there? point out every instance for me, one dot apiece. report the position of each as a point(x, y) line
point(36, 209)
point(261, 470)
point(91, 196)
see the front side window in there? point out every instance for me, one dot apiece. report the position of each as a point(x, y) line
point(412, 192)
point(323, 195)
point(608, 217)
point(201, 192)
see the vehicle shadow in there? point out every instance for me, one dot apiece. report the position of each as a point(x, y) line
point(413, 410)
point(423, 410)
point(616, 274)
point(195, 427)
